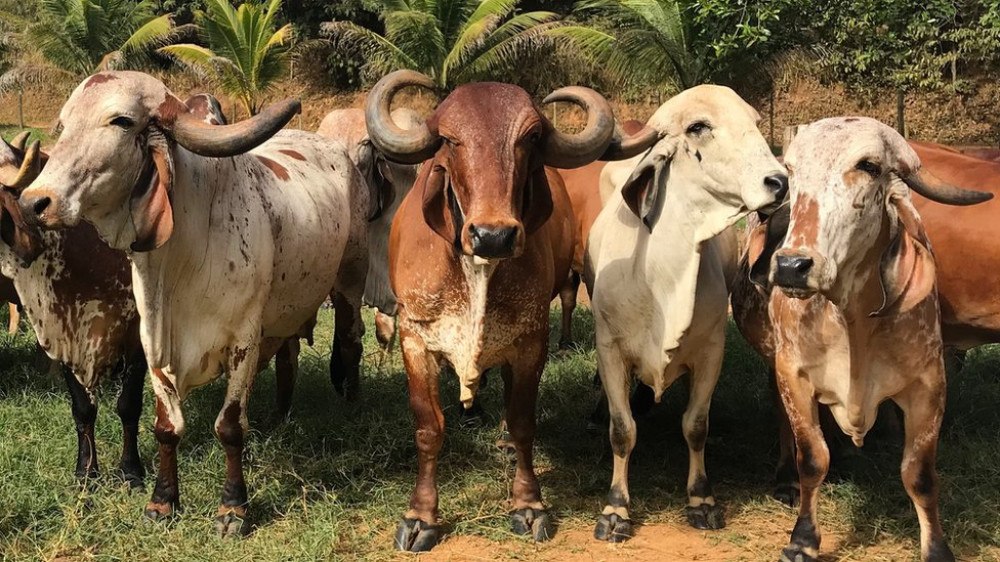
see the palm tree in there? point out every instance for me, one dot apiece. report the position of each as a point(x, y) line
point(649, 45)
point(246, 54)
point(452, 41)
point(79, 37)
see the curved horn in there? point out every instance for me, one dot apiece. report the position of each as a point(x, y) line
point(229, 140)
point(411, 146)
point(624, 146)
point(564, 150)
point(20, 140)
point(935, 189)
point(31, 166)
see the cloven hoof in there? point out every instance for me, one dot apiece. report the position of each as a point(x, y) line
point(413, 535)
point(231, 525)
point(786, 493)
point(794, 553)
point(535, 522)
point(706, 517)
point(613, 528)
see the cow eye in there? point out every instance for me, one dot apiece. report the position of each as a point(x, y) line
point(870, 168)
point(123, 122)
point(534, 137)
point(697, 128)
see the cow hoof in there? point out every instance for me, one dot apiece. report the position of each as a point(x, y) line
point(413, 535)
point(706, 517)
point(231, 525)
point(939, 552)
point(794, 553)
point(160, 512)
point(787, 493)
point(613, 528)
point(535, 522)
point(472, 417)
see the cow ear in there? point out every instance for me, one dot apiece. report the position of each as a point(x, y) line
point(441, 210)
point(152, 213)
point(907, 266)
point(764, 240)
point(643, 190)
point(380, 193)
point(537, 201)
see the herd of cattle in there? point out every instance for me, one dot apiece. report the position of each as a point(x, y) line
point(156, 235)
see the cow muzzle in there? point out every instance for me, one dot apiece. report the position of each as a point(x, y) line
point(495, 241)
point(40, 207)
point(793, 273)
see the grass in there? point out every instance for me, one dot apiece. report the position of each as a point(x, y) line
point(331, 482)
point(8, 132)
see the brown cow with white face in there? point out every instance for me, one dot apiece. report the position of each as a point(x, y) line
point(477, 251)
point(236, 234)
point(856, 319)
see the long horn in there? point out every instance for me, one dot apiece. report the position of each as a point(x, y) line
point(935, 189)
point(564, 150)
point(624, 146)
point(220, 141)
point(20, 140)
point(31, 166)
point(405, 146)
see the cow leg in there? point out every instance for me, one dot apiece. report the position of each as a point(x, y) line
point(168, 429)
point(567, 298)
point(614, 524)
point(14, 320)
point(524, 374)
point(84, 409)
point(418, 531)
point(813, 462)
point(923, 408)
point(786, 477)
point(286, 370)
point(231, 428)
point(702, 511)
point(129, 408)
point(345, 359)
point(385, 330)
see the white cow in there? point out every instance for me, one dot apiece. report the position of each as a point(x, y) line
point(233, 247)
point(658, 270)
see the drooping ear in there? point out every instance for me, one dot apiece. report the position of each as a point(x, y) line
point(23, 239)
point(764, 240)
point(537, 201)
point(152, 213)
point(380, 191)
point(643, 190)
point(441, 210)
point(907, 266)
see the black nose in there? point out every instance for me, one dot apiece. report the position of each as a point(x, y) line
point(778, 185)
point(35, 206)
point(792, 271)
point(493, 242)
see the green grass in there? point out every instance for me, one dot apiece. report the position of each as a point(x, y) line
point(332, 482)
point(8, 132)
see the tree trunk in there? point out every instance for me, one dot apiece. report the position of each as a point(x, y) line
point(772, 115)
point(20, 108)
point(900, 112)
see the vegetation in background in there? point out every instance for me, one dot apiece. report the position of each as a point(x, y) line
point(247, 53)
point(452, 41)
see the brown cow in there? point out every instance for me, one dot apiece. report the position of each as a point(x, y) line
point(857, 277)
point(478, 249)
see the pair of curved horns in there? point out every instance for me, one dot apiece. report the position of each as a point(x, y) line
point(935, 189)
point(599, 140)
point(219, 141)
point(31, 163)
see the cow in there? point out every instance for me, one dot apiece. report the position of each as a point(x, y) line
point(659, 261)
point(478, 249)
point(856, 320)
point(235, 233)
point(388, 183)
point(969, 315)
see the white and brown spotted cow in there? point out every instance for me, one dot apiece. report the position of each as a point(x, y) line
point(659, 261)
point(856, 320)
point(236, 234)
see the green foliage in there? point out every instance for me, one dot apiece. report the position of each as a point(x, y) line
point(79, 37)
point(246, 55)
point(452, 41)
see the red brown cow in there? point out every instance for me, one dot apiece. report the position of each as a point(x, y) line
point(856, 321)
point(478, 249)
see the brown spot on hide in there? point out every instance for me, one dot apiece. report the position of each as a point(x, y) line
point(213, 121)
point(280, 171)
point(293, 154)
point(239, 355)
point(98, 79)
point(158, 373)
point(168, 111)
point(805, 218)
